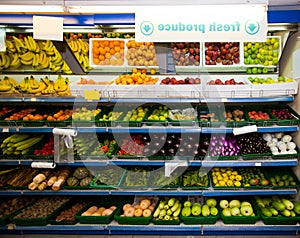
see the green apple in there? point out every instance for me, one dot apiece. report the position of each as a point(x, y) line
point(186, 211)
point(224, 204)
point(226, 212)
point(246, 210)
point(187, 204)
point(211, 202)
point(214, 211)
point(196, 210)
point(235, 211)
point(245, 203)
point(234, 203)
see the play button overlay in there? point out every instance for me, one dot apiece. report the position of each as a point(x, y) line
point(146, 28)
point(252, 27)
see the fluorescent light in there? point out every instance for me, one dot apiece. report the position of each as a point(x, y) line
point(30, 9)
point(133, 9)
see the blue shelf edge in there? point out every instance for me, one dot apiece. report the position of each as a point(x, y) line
point(133, 162)
point(147, 129)
point(115, 229)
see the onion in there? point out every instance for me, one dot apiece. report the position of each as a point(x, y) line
point(267, 137)
point(291, 145)
point(286, 138)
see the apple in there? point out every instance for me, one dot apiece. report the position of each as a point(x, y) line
point(196, 210)
point(211, 202)
point(186, 211)
point(247, 210)
point(187, 204)
point(244, 203)
point(234, 203)
point(214, 211)
point(226, 212)
point(224, 204)
point(235, 211)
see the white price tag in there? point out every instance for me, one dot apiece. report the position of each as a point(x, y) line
point(244, 130)
point(33, 99)
point(258, 164)
point(48, 28)
point(2, 40)
point(5, 129)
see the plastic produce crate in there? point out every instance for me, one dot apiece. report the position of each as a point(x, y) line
point(97, 219)
point(259, 122)
point(295, 117)
point(117, 172)
point(123, 220)
point(233, 122)
point(241, 219)
point(272, 173)
point(210, 116)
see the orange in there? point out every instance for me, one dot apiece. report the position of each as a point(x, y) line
point(95, 44)
point(117, 48)
point(96, 60)
point(95, 50)
point(106, 43)
point(112, 51)
point(102, 51)
point(122, 45)
point(101, 57)
point(111, 44)
point(107, 55)
point(50, 118)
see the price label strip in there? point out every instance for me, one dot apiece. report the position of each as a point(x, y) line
point(244, 130)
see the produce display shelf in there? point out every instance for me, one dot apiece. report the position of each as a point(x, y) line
point(204, 163)
point(147, 129)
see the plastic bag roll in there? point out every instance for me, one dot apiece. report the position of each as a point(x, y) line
point(64, 132)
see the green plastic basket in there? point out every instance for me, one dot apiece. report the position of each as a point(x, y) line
point(261, 123)
point(286, 122)
point(235, 123)
point(119, 173)
point(96, 219)
point(203, 110)
point(271, 172)
point(123, 220)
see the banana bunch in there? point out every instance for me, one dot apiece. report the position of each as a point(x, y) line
point(31, 44)
point(57, 63)
point(61, 86)
point(5, 61)
point(8, 85)
point(80, 48)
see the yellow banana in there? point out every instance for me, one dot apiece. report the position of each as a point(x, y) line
point(78, 46)
point(84, 47)
point(38, 48)
point(27, 43)
point(15, 61)
point(42, 86)
point(4, 87)
point(27, 56)
point(8, 60)
point(2, 59)
point(49, 89)
point(33, 83)
point(64, 93)
point(74, 46)
point(19, 44)
point(56, 68)
point(80, 59)
point(32, 43)
point(13, 82)
point(27, 62)
point(60, 84)
point(10, 46)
